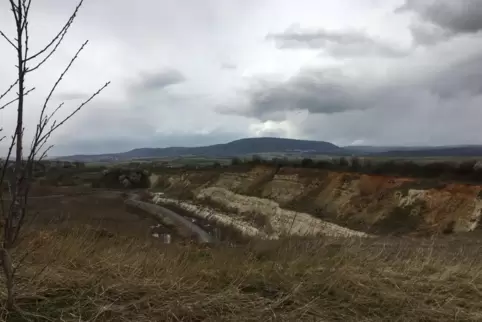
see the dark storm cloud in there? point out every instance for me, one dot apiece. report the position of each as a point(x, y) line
point(337, 43)
point(428, 34)
point(157, 80)
point(332, 92)
point(460, 79)
point(455, 16)
point(319, 92)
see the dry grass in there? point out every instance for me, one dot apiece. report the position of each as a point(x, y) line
point(81, 275)
point(75, 271)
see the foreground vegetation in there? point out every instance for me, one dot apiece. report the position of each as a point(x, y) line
point(85, 258)
point(75, 274)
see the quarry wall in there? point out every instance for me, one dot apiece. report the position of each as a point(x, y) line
point(369, 203)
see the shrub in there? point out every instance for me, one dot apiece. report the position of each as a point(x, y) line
point(236, 161)
point(307, 163)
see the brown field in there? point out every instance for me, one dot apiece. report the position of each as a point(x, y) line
point(85, 258)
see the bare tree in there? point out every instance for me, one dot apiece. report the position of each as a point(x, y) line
point(15, 208)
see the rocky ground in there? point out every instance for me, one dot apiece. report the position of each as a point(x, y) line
point(373, 204)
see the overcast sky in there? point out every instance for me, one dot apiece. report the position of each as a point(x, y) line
point(191, 72)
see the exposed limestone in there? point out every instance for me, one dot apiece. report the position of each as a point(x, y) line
point(351, 199)
point(210, 214)
point(473, 220)
point(411, 198)
point(153, 180)
point(284, 222)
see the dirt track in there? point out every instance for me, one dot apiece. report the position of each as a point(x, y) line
point(111, 211)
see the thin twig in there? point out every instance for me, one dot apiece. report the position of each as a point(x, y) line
point(28, 70)
point(9, 89)
point(75, 111)
point(14, 9)
point(44, 107)
point(59, 34)
point(26, 8)
point(8, 39)
point(23, 170)
point(16, 99)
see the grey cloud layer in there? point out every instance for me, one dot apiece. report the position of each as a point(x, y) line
point(460, 16)
point(338, 43)
point(157, 80)
point(352, 76)
point(404, 84)
point(441, 19)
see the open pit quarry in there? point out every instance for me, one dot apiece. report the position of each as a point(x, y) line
point(270, 202)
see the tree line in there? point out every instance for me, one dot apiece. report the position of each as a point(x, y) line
point(466, 170)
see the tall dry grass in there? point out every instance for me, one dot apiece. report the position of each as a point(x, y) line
point(78, 274)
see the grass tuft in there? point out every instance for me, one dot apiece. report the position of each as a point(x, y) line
point(78, 274)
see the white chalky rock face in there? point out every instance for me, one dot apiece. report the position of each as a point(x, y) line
point(153, 180)
point(282, 221)
point(474, 218)
point(478, 165)
point(413, 196)
point(215, 216)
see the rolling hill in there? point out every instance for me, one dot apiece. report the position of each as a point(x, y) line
point(231, 149)
point(278, 145)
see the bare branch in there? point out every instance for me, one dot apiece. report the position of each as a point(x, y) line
point(14, 214)
point(54, 112)
point(26, 8)
point(16, 99)
point(44, 107)
point(9, 89)
point(56, 126)
point(2, 179)
point(14, 9)
point(28, 70)
point(8, 39)
point(60, 34)
point(44, 154)
point(26, 42)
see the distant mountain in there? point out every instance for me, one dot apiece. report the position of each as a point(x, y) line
point(448, 151)
point(416, 151)
point(278, 145)
point(231, 149)
point(368, 149)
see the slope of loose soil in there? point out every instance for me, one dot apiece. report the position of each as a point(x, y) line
point(376, 204)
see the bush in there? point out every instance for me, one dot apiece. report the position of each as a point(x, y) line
point(256, 159)
point(307, 163)
point(343, 162)
point(355, 164)
point(236, 161)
